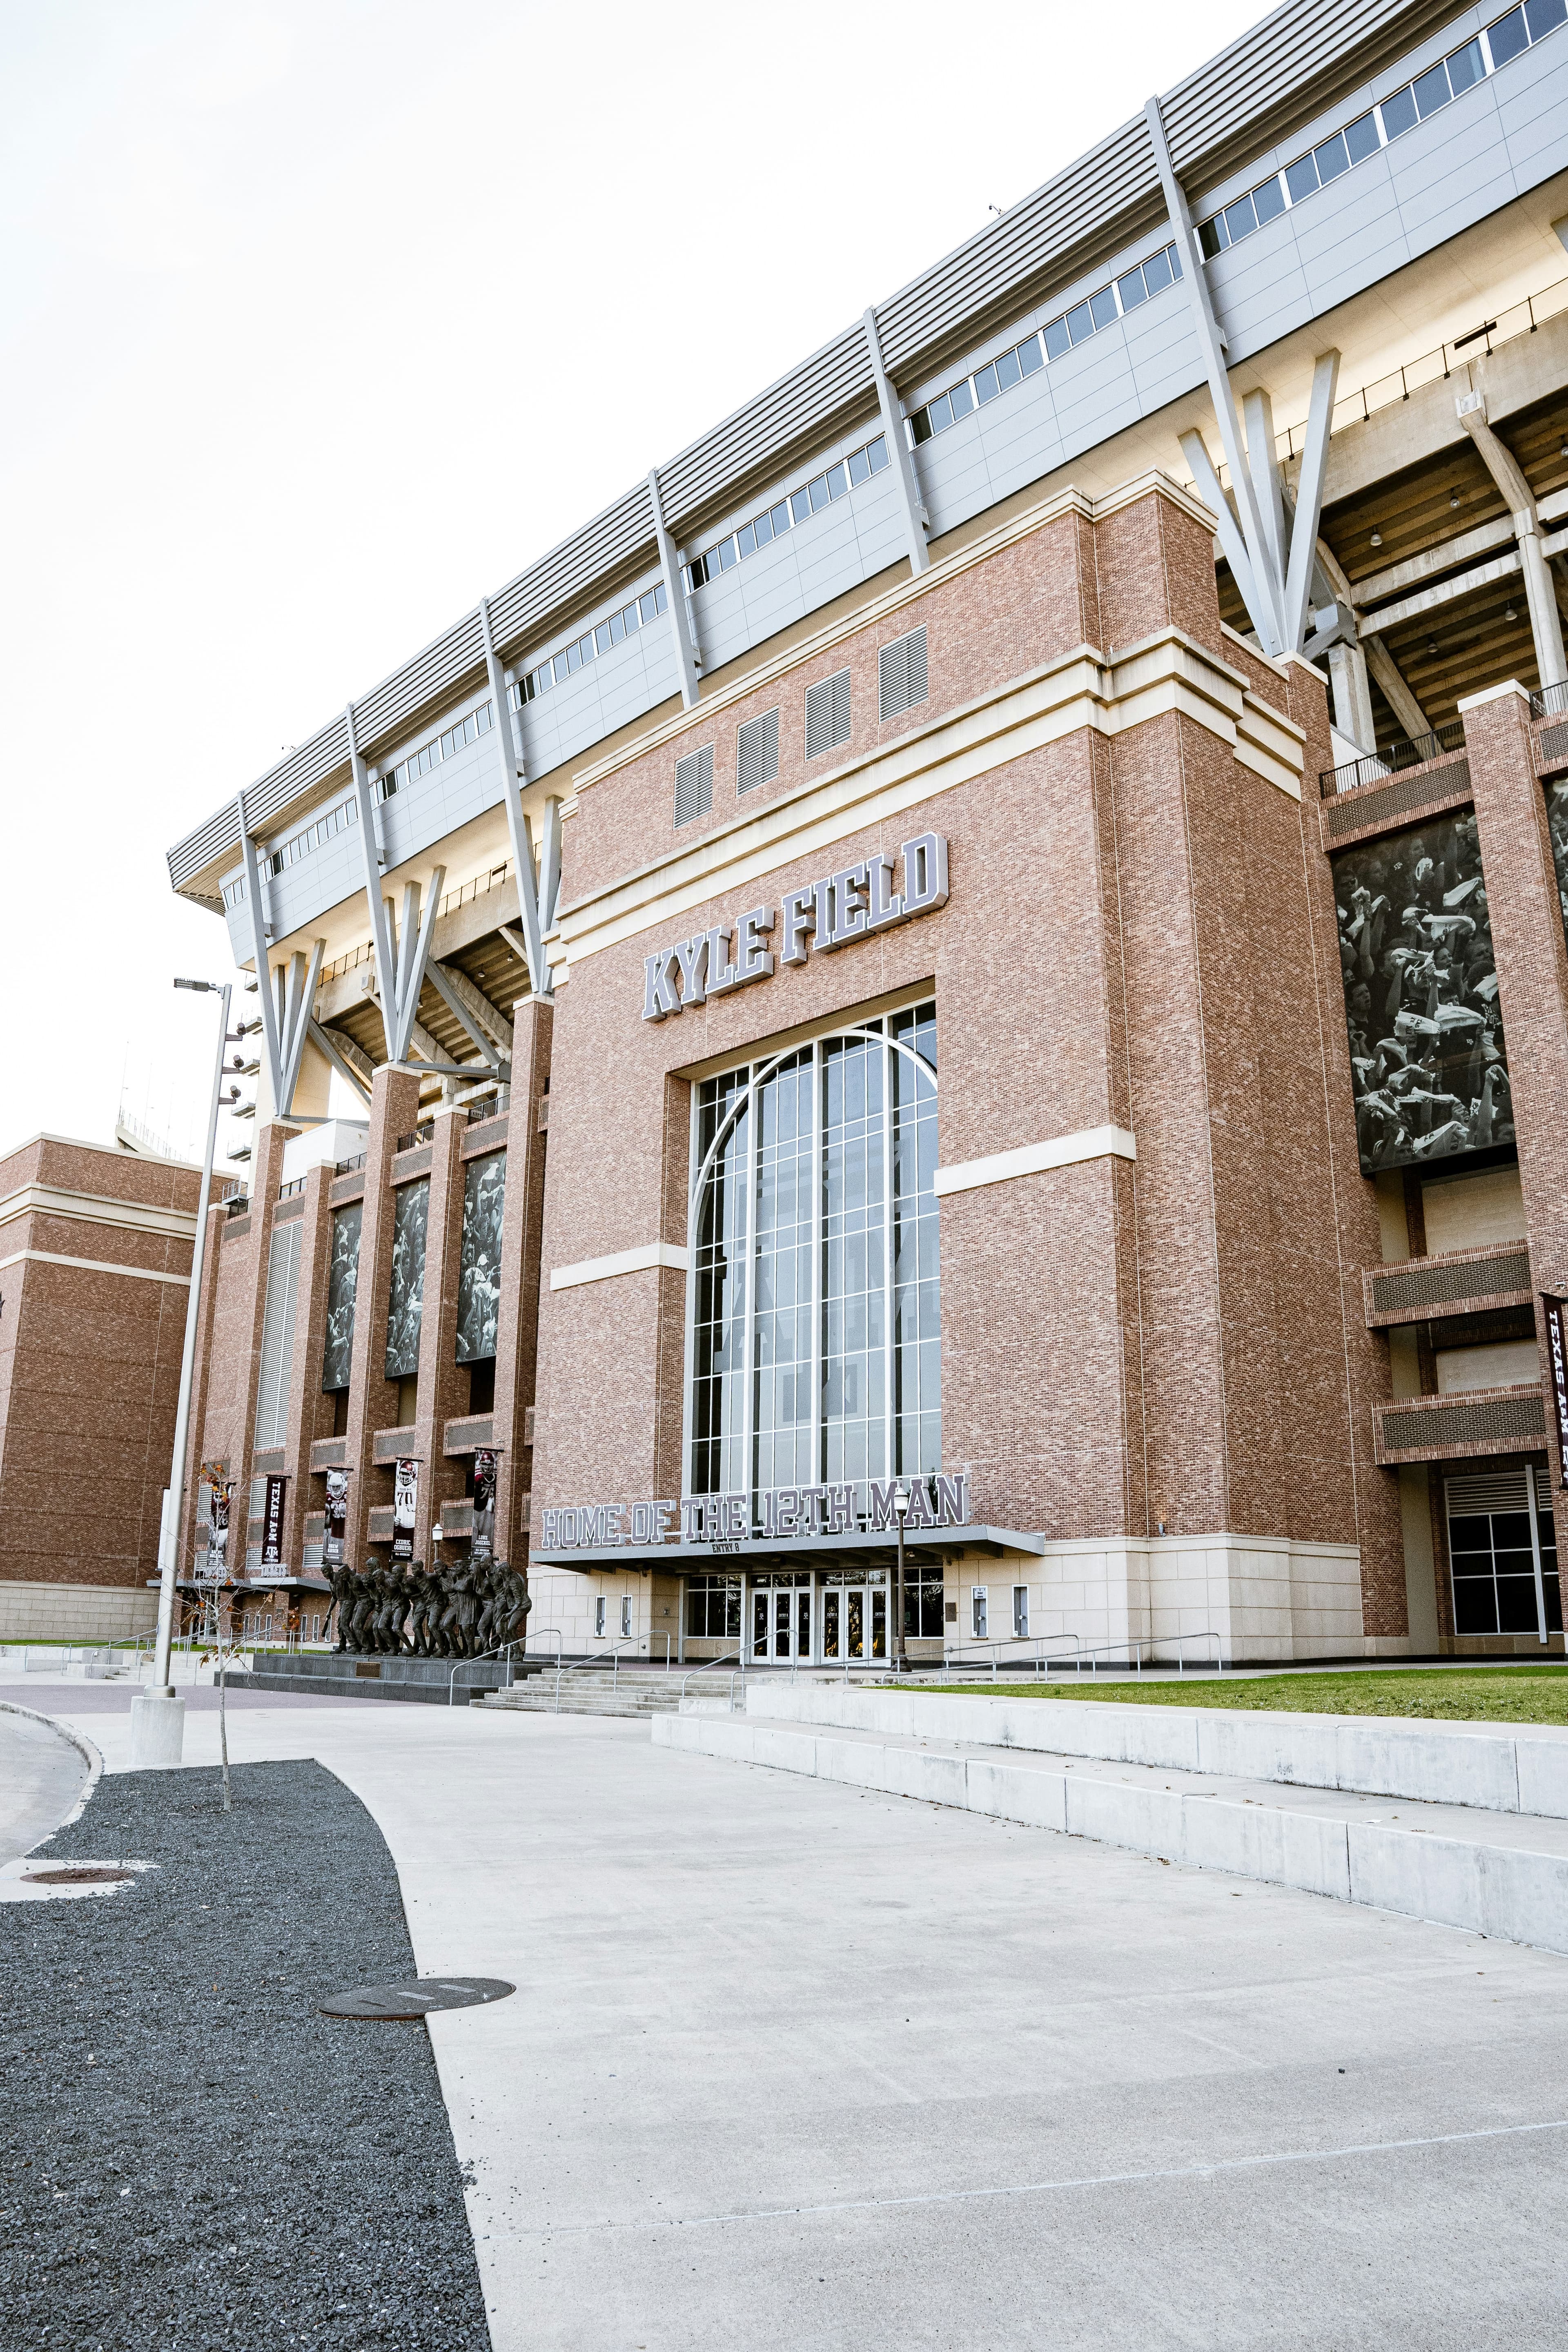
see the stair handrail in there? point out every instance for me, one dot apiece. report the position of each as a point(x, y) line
point(578, 1665)
point(706, 1668)
point(502, 1649)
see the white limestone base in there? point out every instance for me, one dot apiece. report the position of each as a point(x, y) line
point(1236, 1596)
point(75, 1612)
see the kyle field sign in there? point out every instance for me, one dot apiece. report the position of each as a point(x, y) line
point(831, 913)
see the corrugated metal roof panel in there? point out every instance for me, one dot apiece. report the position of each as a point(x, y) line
point(1295, 62)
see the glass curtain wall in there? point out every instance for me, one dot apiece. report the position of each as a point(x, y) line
point(814, 1299)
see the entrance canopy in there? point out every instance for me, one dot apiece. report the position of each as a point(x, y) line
point(932, 1545)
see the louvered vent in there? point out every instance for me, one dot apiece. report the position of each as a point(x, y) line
point(757, 753)
point(694, 785)
point(1502, 1492)
point(1440, 1286)
point(828, 714)
point(901, 674)
point(1353, 810)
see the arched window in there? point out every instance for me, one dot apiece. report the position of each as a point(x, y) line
point(814, 1308)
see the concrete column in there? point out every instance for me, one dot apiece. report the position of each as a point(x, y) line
point(441, 1380)
point(373, 1398)
point(516, 1340)
point(1532, 970)
point(1352, 696)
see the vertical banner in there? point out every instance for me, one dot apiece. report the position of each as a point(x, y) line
point(1557, 1356)
point(405, 1503)
point(484, 1542)
point(219, 1488)
point(335, 1523)
point(272, 1523)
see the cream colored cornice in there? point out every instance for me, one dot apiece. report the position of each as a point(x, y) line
point(1080, 689)
point(89, 1208)
point(1070, 501)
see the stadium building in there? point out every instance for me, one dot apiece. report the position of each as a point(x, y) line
point(990, 938)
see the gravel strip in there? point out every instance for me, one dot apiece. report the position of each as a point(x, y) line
point(190, 2158)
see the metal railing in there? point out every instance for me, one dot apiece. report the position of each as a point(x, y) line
point(1128, 1652)
point(491, 1107)
point(347, 1167)
point(1551, 702)
point(1412, 751)
point(236, 1205)
point(501, 1650)
point(707, 1666)
point(286, 1191)
point(424, 1133)
point(596, 1658)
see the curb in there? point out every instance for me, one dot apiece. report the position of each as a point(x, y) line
point(83, 1747)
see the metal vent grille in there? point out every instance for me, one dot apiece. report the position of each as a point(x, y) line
point(1466, 1424)
point(694, 784)
point(901, 674)
point(757, 753)
point(828, 714)
point(1554, 743)
point(1440, 1285)
point(1503, 1491)
point(1353, 810)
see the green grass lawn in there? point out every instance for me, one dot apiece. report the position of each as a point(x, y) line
point(1524, 1694)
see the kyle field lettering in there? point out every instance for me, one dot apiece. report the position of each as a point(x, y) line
point(850, 905)
point(776, 1515)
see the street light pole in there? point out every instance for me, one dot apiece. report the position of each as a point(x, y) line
point(898, 1654)
point(157, 1716)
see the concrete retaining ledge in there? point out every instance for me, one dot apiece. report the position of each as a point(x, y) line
point(1501, 1881)
point(1487, 1765)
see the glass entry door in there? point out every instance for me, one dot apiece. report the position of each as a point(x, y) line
point(780, 1622)
point(854, 1622)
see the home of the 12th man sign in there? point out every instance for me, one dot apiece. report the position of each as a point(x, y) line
point(831, 913)
point(774, 1514)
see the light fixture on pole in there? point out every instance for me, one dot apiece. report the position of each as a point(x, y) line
point(897, 1655)
point(158, 1715)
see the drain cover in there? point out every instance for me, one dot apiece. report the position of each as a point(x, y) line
point(92, 1876)
point(416, 1998)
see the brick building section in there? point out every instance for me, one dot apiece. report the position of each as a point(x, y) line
point(1136, 939)
point(97, 1247)
point(1532, 976)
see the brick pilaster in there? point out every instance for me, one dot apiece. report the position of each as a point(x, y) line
point(373, 1398)
point(516, 1340)
point(443, 1384)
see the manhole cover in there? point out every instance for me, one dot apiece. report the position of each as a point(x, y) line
point(90, 1877)
point(416, 1998)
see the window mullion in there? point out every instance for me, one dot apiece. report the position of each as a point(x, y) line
point(818, 1250)
point(752, 1171)
point(890, 1454)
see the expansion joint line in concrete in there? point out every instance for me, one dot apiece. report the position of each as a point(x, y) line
point(1211, 2170)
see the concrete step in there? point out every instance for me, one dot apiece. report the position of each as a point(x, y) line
point(1494, 1873)
point(1501, 1766)
point(587, 1690)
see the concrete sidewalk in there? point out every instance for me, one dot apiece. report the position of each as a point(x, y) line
point(793, 2065)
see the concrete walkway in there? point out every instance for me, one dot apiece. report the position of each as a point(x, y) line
point(794, 2065)
point(41, 1777)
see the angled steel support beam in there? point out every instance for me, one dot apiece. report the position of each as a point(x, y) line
point(1545, 623)
point(1396, 691)
point(380, 930)
point(1195, 449)
point(538, 878)
point(456, 991)
point(1265, 601)
point(1309, 511)
point(1257, 412)
point(344, 1057)
point(412, 959)
point(296, 997)
point(682, 620)
point(916, 520)
point(271, 1034)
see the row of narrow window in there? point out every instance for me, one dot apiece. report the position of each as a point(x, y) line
point(901, 684)
point(1427, 95)
point(1052, 342)
point(640, 613)
point(835, 482)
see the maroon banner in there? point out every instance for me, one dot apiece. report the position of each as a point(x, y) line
point(272, 1523)
point(1557, 1357)
point(405, 1505)
point(219, 1488)
point(336, 1520)
point(484, 1538)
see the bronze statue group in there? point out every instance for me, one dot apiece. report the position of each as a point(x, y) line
point(465, 1610)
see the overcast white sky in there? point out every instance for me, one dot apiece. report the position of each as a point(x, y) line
point(320, 319)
